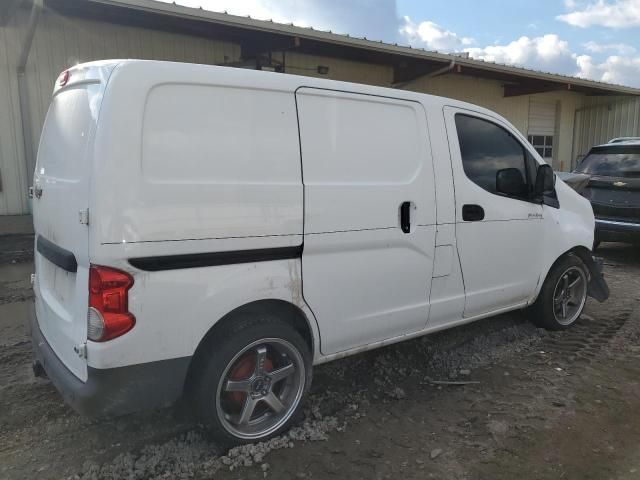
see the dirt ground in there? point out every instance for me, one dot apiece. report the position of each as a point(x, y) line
point(530, 405)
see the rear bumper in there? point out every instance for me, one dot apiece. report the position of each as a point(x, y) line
point(617, 231)
point(114, 391)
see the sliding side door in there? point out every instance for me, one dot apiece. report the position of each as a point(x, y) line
point(369, 216)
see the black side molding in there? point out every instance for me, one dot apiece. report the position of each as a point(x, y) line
point(57, 255)
point(212, 259)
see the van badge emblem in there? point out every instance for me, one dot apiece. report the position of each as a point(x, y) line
point(37, 191)
point(619, 184)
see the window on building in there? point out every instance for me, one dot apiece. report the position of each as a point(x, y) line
point(543, 144)
point(486, 148)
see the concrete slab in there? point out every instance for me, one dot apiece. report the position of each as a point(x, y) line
point(15, 283)
point(16, 224)
point(13, 323)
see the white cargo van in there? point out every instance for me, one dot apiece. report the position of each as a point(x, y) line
point(215, 232)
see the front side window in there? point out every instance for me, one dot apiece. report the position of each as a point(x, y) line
point(487, 148)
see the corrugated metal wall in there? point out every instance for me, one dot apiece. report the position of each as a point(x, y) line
point(13, 171)
point(58, 43)
point(601, 119)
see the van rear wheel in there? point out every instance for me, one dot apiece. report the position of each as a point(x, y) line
point(563, 295)
point(250, 383)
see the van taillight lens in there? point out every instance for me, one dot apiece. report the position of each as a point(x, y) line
point(108, 315)
point(63, 79)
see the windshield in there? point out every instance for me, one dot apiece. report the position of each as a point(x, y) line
point(619, 161)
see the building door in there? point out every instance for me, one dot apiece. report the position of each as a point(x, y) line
point(542, 127)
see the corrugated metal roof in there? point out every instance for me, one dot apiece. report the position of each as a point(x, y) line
point(270, 26)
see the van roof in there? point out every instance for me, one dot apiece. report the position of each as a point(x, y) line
point(272, 80)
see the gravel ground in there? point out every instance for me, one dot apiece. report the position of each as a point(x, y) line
point(516, 400)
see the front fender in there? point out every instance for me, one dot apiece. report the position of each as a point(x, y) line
point(567, 228)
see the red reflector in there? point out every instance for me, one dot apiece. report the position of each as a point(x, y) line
point(108, 294)
point(63, 79)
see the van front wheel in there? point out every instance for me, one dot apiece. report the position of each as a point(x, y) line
point(563, 295)
point(252, 382)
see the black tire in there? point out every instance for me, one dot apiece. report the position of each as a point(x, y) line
point(545, 311)
point(208, 385)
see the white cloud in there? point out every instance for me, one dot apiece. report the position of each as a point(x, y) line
point(618, 48)
point(431, 36)
point(548, 52)
point(606, 13)
point(551, 53)
point(615, 69)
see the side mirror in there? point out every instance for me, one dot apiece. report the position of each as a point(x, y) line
point(511, 182)
point(545, 181)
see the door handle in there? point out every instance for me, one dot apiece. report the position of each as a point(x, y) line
point(405, 217)
point(472, 213)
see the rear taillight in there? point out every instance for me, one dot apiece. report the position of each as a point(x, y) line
point(108, 315)
point(63, 78)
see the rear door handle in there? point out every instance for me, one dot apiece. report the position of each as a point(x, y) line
point(472, 213)
point(405, 217)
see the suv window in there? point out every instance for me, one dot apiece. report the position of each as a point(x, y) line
point(486, 148)
point(615, 160)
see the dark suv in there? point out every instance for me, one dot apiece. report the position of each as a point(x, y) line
point(614, 190)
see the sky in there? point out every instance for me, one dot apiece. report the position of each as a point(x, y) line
point(594, 39)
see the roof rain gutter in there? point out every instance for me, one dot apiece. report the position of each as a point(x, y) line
point(435, 73)
point(442, 70)
point(23, 93)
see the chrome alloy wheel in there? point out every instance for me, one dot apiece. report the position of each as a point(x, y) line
point(569, 295)
point(260, 388)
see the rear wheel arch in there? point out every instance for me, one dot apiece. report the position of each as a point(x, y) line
point(285, 311)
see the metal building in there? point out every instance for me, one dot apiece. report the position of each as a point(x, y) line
point(560, 115)
point(600, 119)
